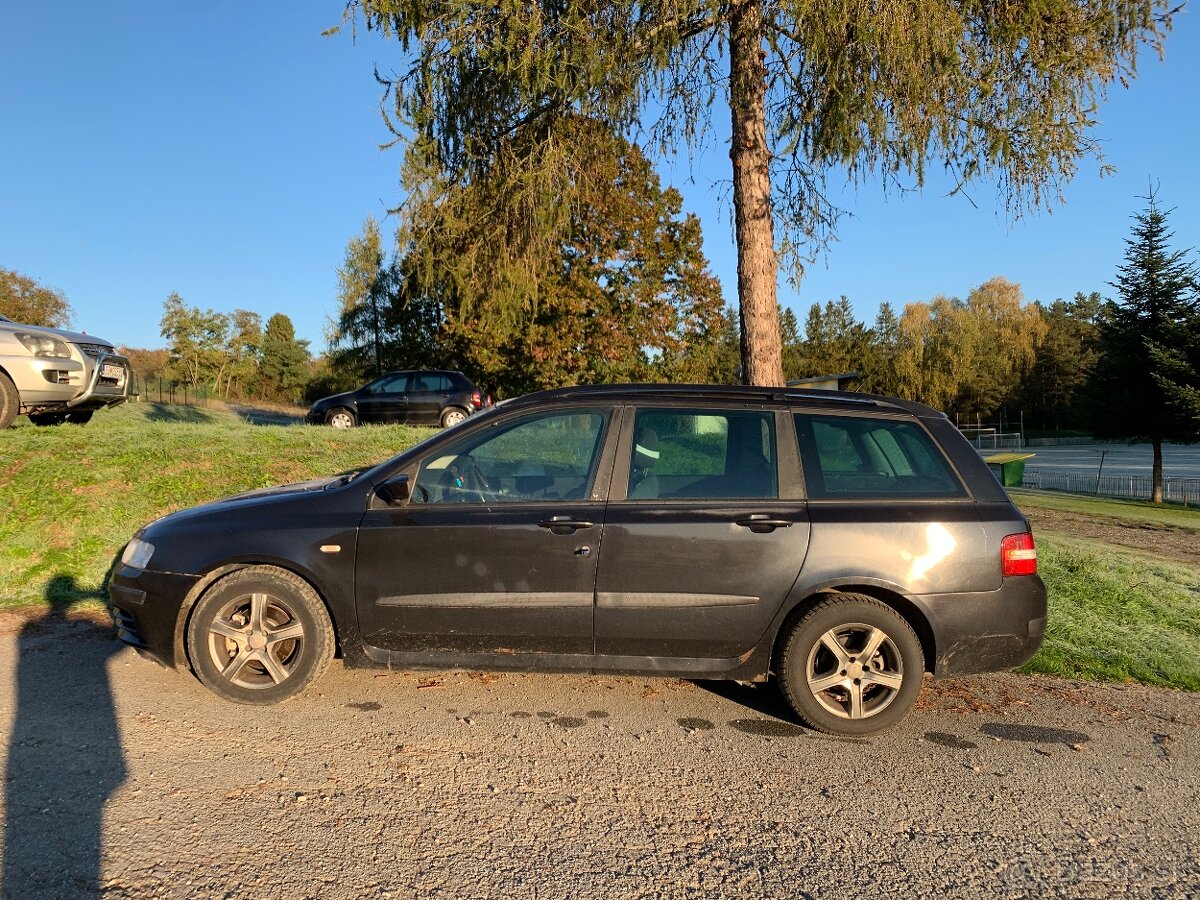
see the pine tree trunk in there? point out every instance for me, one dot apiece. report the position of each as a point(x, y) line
point(1157, 494)
point(762, 354)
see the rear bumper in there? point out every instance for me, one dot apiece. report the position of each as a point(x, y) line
point(145, 606)
point(986, 632)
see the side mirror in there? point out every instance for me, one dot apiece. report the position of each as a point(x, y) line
point(396, 490)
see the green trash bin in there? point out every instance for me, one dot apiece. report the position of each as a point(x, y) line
point(1009, 468)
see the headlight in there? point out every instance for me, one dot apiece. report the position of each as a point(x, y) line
point(43, 344)
point(137, 554)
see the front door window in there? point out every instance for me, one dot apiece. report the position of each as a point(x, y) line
point(552, 457)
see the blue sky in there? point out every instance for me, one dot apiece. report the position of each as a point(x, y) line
point(227, 151)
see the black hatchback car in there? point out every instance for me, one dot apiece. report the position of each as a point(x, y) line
point(843, 544)
point(426, 397)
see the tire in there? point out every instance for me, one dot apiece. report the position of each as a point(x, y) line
point(46, 420)
point(10, 401)
point(340, 418)
point(452, 415)
point(80, 418)
point(825, 679)
point(295, 636)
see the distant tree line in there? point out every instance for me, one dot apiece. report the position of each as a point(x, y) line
point(230, 355)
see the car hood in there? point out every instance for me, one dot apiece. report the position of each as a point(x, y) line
point(347, 397)
point(74, 337)
point(259, 497)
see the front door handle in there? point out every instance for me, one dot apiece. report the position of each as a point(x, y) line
point(760, 523)
point(564, 524)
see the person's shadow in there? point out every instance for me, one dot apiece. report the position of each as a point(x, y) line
point(64, 755)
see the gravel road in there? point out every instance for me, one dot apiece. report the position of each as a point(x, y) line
point(126, 780)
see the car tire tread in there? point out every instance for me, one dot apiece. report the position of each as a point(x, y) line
point(826, 614)
point(10, 401)
point(319, 632)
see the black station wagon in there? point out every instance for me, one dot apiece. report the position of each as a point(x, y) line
point(844, 544)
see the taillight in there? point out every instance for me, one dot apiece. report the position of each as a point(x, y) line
point(1018, 555)
point(477, 400)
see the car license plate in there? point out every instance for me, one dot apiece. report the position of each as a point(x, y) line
point(117, 373)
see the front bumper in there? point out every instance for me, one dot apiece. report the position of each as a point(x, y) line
point(990, 631)
point(146, 607)
point(50, 383)
point(108, 383)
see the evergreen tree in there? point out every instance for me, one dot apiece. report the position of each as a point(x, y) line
point(284, 364)
point(1006, 91)
point(1053, 390)
point(879, 369)
point(1144, 384)
point(835, 342)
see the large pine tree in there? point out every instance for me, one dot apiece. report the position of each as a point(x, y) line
point(1144, 379)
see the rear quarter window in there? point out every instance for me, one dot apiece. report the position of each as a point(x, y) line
point(858, 457)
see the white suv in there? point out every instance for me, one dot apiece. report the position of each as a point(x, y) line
point(57, 376)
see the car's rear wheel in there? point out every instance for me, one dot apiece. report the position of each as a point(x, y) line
point(259, 636)
point(340, 418)
point(851, 665)
point(452, 415)
point(46, 420)
point(10, 401)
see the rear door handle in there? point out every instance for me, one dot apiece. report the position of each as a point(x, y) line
point(564, 524)
point(760, 523)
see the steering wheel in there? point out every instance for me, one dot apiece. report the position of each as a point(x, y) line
point(474, 480)
point(463, 481)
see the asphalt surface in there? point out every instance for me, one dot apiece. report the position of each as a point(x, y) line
point(125, 780)
point(1179, 460)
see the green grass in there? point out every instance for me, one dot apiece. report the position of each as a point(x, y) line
point(71, 496)
point(1127, 510)
point(1118, 616)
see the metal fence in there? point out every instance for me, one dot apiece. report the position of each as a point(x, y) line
point(1068, 442)
point(1128, 487)
point(986, 439)
point(160, 390)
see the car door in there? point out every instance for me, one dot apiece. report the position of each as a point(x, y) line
point(384, 400)
point(704, 536)
point(427, 394)
point(496, 551)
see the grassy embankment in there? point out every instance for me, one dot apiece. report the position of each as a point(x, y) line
point(1117, 614)
point(70, 497)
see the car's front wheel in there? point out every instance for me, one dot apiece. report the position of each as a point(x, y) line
point(10, 401)
point(260, 635)
point(851, 665)
point(340, 418)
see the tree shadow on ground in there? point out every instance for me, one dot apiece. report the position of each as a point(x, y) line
point(170, 412)
point(64, 756)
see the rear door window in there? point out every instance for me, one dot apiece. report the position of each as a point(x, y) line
point(855, 457)
point(698, 454)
